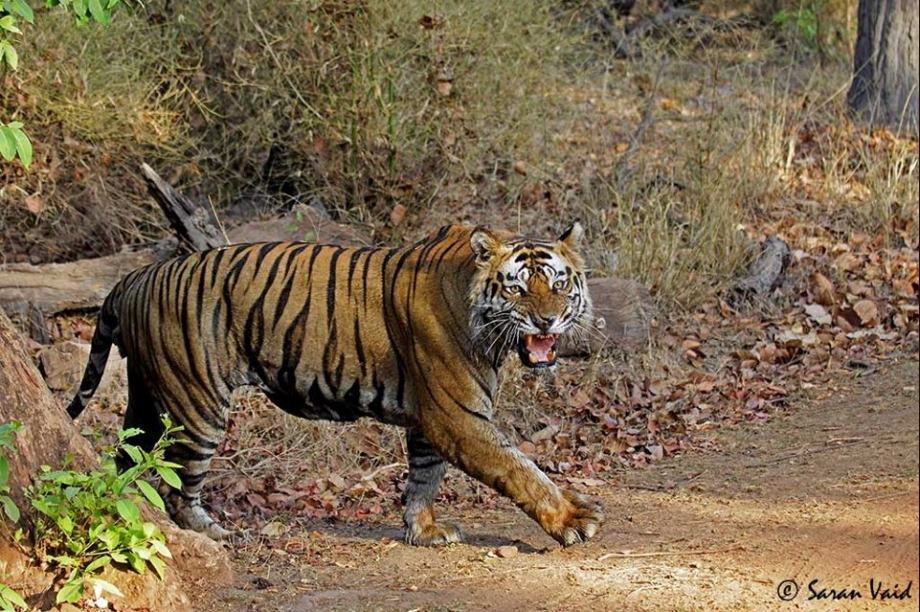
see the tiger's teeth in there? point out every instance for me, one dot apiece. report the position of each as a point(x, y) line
point(532, 358)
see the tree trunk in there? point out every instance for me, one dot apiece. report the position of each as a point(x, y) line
point(886, 64)
point(46, 438)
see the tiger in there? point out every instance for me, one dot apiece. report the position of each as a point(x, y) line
point(412, 336)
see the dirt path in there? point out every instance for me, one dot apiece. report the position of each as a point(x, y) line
point(826, 496)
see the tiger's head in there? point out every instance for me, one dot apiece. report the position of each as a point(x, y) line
point(526, 293)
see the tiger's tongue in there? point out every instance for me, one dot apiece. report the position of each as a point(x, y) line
point(541, 347)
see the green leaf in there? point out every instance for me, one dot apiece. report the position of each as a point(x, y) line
point(105, 586)
point(65, 523)
point(23, 147)
point(9, 595)
point(99, 12)
point(137, 564)
point(143, 553)
point(79, 8)
point(151, 494)
point(169, 476)
point(22, 8)
point(128, 510)
point(133, 452)
point(8, 23)
point(70, 592)
point(8, 54)
point(9, 508)
point(7, 142)
point(158, 566)
point(160, 548)
point(99, 562)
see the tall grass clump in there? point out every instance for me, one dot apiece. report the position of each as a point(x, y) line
point(96, 101)
point(365, 104)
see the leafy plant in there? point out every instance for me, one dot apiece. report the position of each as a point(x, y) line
point(13, 140)
point(88, 521)
point(9, 599)
point(802, 22)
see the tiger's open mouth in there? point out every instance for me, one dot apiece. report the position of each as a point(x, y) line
point(538, 350)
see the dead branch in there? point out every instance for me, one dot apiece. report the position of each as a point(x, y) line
point(766, 271)
point(195, 226)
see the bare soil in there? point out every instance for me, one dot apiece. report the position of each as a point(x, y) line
point(818, 506)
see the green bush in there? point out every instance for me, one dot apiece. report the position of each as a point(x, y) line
point(87, 521)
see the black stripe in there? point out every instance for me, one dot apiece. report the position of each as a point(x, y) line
point(330, 287)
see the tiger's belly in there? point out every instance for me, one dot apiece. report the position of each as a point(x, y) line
point(321, 399)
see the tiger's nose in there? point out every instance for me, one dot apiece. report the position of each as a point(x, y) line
point(543, 323)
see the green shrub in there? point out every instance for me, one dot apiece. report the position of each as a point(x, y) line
point(87, 521)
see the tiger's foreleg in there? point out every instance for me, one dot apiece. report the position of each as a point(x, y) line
point(426, 469)
point(474, 444)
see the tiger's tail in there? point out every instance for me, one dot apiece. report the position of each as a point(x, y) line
point(103, 338)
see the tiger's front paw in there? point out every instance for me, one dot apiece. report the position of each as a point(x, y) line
point(423, 530)
point(584, 519)
point(436, 534)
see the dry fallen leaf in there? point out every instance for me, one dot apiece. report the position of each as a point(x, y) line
point(823, 290)
point(431, 22)
point(818, 314)
point(443, 87)
point(867, 311)
point(33, 204)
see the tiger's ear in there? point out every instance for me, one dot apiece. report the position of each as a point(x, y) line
point(572, 235)
point(484, 244)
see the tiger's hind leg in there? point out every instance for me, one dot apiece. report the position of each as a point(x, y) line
point(203, 428)
point(426, 469)
point(193, 450)
point(141, 413)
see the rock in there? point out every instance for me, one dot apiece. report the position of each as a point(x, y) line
point(196, 556)
point(506, 552)
point(623, 312)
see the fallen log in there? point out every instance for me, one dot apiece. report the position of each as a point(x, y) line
point(67, 287)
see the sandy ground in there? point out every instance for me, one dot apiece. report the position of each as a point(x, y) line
point(816, 510)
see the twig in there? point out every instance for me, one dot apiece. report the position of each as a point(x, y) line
point(831, 444)
point(888, 496)
point(668, 553)
point(193, 225)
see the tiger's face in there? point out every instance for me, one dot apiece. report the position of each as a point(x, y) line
point(527, 293)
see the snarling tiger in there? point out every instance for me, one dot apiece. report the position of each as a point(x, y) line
point(412, 336)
